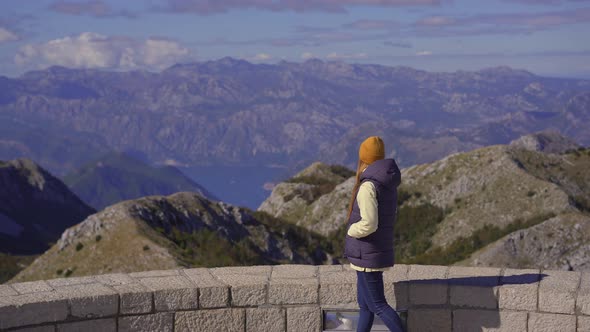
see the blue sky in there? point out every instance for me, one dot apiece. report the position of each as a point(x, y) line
point(546, 37)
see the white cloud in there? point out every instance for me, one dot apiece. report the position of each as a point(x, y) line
point(424, 53)
point(307, 55)
point(260, 57)
point(336, 56)
point(93, 50)
point(6, 35)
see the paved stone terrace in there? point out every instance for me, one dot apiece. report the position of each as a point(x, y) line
point(291, 297)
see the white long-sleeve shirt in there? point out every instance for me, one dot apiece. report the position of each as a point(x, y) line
point(367, 201)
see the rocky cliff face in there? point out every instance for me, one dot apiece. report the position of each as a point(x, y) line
point(184, 229)
point(316, 198)
point(35, 208)
point(234, 112)
point(560, 243)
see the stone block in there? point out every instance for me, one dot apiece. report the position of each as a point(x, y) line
point(155, 273)
point(161, 322)
point(115, 279)
point(97, 325)
point(474, 297)
point(489, 320)
point(557, 291)
point(428, 284)
point(338, 287)
point(134, 298)
point(33, 308)
point(396, 286)
point(474, 287)
point(70, 281)
point(294, 271)
point(212, 292)
point(213, 320)
point(32, 287)
point(47, 328)
point(307, 319)
point(429, 320)
point(213, 297)
point(583, 323)
point(583, 300)
point(246, 290)
point(7, 290)
point(90, 300)
point(293, 291)
point(329, 268)
point(519, 289)
point(259, 270)
point(172, 292)
point(539, 322)
point(265, 319)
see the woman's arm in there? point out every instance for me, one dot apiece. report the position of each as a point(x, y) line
point(367, 201)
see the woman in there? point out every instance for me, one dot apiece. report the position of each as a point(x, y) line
point(369, 240)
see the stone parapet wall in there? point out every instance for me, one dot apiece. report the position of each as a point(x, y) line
point(291, 298)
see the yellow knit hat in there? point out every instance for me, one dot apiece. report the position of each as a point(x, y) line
point(372, 149)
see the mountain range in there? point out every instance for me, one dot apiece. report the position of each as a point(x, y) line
point(232, 112)
point(522, 205)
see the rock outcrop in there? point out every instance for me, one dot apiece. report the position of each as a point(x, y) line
point(315, 198)
point(547, 141)
point(560, 243)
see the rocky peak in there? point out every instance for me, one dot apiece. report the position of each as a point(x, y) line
point(28, 169)
point(324, 172)
point(545, 141)
point(35, 207)
point(317, 193)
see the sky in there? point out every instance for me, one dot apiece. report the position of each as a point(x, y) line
point(546, 37)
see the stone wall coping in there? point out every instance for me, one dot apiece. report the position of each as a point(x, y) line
point(180, 297)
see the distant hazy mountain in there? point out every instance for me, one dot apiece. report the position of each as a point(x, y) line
point(233, 112)
point(521, 205)
point(35, 208)
point(184, 229)
point(117, 177)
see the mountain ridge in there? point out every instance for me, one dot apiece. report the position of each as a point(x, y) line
point(35, 207)
point(164, 232)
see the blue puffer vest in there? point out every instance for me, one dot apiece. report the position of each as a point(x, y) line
point(376, 250)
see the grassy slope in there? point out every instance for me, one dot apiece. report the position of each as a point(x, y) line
point(119, 249)
point(482, 187)
point(10, 265)
point(151, 238)
point(568, 170)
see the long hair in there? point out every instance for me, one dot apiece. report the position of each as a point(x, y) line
point(359, 169)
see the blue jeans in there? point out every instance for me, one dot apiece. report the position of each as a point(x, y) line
point(371, 299)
